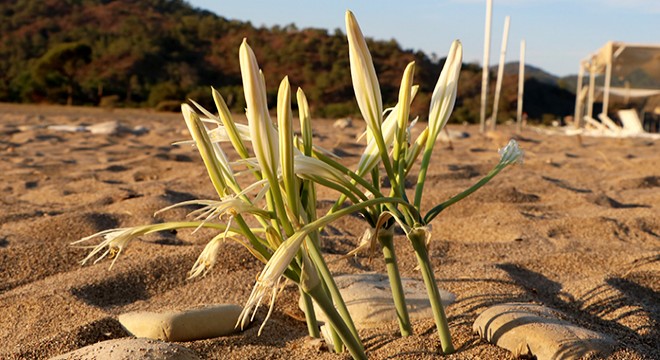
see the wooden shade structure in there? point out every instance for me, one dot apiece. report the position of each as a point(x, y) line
point(616, 60)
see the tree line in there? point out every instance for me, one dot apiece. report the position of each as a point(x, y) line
point(157, 53)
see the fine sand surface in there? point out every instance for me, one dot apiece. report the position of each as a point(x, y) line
point(576, 228)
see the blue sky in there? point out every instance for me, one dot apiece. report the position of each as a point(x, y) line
point(558, 33)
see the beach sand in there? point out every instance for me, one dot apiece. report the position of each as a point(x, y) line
point(576, 228)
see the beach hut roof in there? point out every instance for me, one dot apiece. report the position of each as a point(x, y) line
point(626, 59)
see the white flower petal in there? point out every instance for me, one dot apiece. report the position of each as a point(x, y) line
point(511, 153)
point(363, 74)
point(444, 94)
point(262, 131)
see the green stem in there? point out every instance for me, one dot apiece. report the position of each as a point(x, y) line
point(321, 266)
point(336, 340)
point(421, 178)
point(418, 239)
point(415, 150)
point(270, 205)
point(439, 208)
point(253, 239)
point(317, 258)
point(386, 239)
point(375, 180)
point(279, 206)
point(351, 341)
point(340, 188)
point(310, 316)
point(355, 178)
point(348, 172)
point(385, 159)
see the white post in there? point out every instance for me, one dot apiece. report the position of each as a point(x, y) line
point(608, 81)
point(521, 84)
point(577, 117)
point(500, 72)
point(592, 89)
point(484, 70)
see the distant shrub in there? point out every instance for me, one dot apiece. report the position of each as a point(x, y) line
point(337, 110)
point(163, 92)
point(169, 106)
point(109, 102)
point(463, 115)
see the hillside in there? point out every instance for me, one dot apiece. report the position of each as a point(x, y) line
point(156, 53)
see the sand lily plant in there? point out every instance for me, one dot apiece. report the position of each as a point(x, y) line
point(274, 216)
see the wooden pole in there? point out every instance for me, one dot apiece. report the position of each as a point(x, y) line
point(500, 72)
point(592, 89)
point(608, 81)
point(521, 84)
point(577, 116)
point(611, 55)
point(484, 70)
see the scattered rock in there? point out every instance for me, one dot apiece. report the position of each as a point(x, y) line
point(452, 135)
point(187, 325)
point(129, 349)
point(535, 330)
point(369, 299)
point(140, 130)
point(343, 123)
point(67, 128)
point(112, 127)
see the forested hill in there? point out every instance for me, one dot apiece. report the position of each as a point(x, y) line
point(159, 52)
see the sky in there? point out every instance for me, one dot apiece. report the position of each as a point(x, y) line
point(558, 33)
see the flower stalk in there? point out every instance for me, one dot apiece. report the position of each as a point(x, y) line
point(511, 154)
point(386, 240)
point(418, 238)
point(352, 342)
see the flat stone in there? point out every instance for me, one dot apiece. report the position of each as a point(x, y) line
point(188, 325)
point(112, 127)
point(343, 123)
point(130, 349)
point(530, 329)
point(453, 135)
point(67, 128)
point(369, 299)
